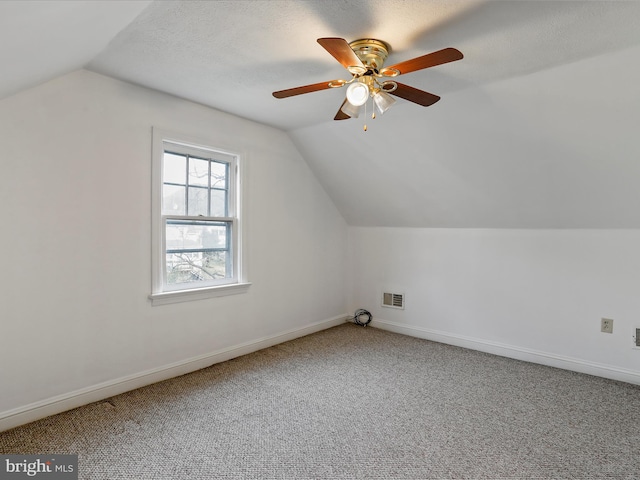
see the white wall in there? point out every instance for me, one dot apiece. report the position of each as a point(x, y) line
point(75, 209)
point(537, 295)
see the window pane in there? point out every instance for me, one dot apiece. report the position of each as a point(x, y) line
point(173, 200)
point(185, 235)
point(218, 175)
point(197, 267)
point(218, 203)
point(175, 168)
point(198, 198)
point(197, 251)
point(198, 172)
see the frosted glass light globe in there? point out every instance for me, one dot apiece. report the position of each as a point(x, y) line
point(357, 94)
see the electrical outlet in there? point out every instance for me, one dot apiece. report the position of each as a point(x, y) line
point(606, 325)
point(636, 338)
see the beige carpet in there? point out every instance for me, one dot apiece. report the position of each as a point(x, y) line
point(354, 403)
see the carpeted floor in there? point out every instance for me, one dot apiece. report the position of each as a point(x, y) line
point(354, 403)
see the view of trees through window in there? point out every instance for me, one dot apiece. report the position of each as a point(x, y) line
point(195, 204)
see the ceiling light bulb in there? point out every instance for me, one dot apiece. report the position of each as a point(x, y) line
point(383, 101)
point(357, 94)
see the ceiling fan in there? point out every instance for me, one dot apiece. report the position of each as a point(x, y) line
point(364, 59)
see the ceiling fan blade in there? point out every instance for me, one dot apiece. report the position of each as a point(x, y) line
point(290, 92)
point(341, 115)
point(341, 51)
point(415, 95)
point(425, 61)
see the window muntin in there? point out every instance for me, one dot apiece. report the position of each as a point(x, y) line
point(194, 186)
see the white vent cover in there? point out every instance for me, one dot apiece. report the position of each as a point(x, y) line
point(393, 300)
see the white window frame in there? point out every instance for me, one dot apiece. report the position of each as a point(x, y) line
point(161, 292)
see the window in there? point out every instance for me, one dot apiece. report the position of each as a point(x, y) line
point(196, 232)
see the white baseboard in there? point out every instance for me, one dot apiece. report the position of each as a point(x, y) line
point(61, 403)
point(511, 351)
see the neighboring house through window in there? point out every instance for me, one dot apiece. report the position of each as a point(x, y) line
point(196, 226)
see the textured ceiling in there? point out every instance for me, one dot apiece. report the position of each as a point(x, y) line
point(535, 129)
point(233, 54)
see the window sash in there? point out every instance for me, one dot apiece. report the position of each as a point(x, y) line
point(229, 247)
point(228, 204)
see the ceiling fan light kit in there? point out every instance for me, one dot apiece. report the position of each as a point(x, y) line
point(383, 101)
point(350, 109)
point(364, 59)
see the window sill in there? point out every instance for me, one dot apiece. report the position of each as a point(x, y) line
point(178, 296)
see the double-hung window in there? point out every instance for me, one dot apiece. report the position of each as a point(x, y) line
point(196, 245)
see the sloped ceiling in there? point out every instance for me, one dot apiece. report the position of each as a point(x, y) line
point(42, 39)
point(536, 127)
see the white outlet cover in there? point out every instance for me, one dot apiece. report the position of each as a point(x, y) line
point(602, 325)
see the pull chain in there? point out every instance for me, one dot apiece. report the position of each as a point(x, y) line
point(373, 112)
point(365, 115)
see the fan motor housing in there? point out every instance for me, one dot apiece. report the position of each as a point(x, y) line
point(371, 52)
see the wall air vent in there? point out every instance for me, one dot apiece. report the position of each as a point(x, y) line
point(393, 300)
